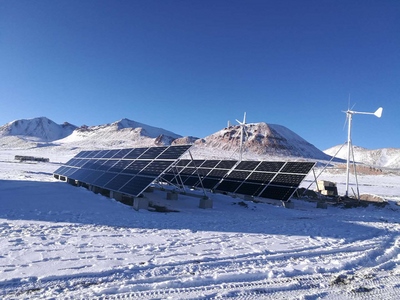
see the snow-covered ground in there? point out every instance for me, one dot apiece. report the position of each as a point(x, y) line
point(60, 241)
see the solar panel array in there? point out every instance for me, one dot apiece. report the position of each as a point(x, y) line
point(131, 171)
point(128, 171)
point(266, 179)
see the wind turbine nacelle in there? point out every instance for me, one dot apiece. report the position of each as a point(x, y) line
point(378, 112)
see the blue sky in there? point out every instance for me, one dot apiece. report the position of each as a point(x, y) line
point(190, 66)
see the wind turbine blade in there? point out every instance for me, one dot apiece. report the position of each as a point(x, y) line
point(239, 122)
point(244, 118)
point(378, 112)
point(345, 121)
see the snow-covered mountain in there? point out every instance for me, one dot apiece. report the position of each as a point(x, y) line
point(122, 133)
point(40, 129)
point(38, 132)
point(382, 158)
point(263, 139)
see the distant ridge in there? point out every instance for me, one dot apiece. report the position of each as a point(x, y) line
point(40, 129)
point(264, 141)
point(382, 158)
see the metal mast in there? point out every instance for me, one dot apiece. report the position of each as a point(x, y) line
point(350, 113)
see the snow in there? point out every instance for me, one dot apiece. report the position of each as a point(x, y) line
point(59, 241)
point(381, 158)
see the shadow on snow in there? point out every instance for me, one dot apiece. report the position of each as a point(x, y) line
point(61, 202)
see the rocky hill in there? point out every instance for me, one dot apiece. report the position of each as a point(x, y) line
point(263, 139)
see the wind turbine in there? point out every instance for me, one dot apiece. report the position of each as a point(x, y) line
point(242, 130)
point(349, 116)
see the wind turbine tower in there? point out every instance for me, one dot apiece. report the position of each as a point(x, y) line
point(349, 114)
point(242, 129)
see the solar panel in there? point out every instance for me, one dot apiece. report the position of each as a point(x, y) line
point(136, 184)
point(270, 166)
point(135, 166)
point(226, 164)
point(251, 189)
point(121, 153)
point(156, 167)
point(104, 179)
point(228, 186)
point(135, 153)
point(61, 170)
point(88, 154)
point(173, 152)
point(128, 171)
point(297, 167)
point(118, 182)
point(106, 165)
point(80, 154)
point(81, 162)
point(111, 153)
point(92, 177)
point(278, 192)
point(210, 163)
point(152, 153)
point(238, 175)
point(287, 179)
point(260, 177)
point(100, 154)
point(247, 165)
point(246, 177)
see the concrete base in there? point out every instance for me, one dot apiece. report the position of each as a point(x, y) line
point(206, 203)
point(125, 199)
point(95, 189)
point(117, 196)
point(322, 205)
point(140, 203)
point(150, 189)
point(288, 204)
point(71, 181)
point(172, 196)
point(248, 198)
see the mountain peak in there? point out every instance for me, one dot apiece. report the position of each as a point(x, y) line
point(263, 138)
point(40, 128)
